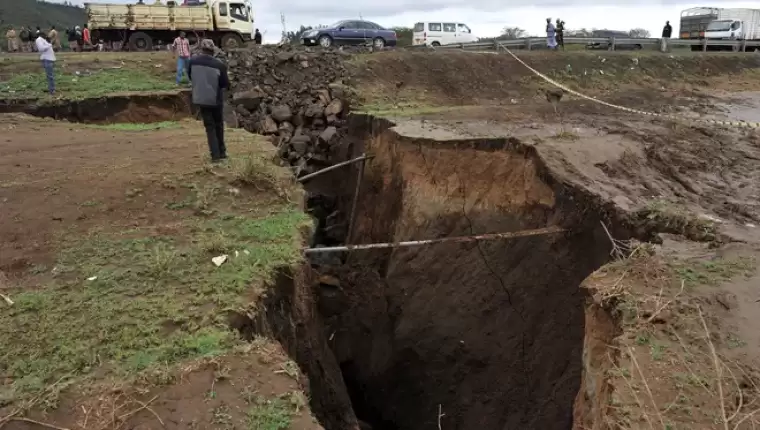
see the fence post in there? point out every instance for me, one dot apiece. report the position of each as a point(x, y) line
point(704, 45)
point(496, 45)
point(613, 44)
point(744, 45)
point(529, 43)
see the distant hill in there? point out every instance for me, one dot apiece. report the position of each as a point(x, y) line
point(35, 13)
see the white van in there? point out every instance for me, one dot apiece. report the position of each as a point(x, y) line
point(441, 33)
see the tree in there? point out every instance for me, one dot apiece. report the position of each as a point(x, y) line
point(583, 32)
point(511, 33)
point(295, 36)
point(640, 33)
point(404, 36)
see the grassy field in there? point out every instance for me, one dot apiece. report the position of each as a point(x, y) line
point(85, 75)
point(139, 303)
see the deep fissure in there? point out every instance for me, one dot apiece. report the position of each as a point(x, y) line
point(489, 332)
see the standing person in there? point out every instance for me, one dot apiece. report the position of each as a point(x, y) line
point(209, 78)
point(24, 36)
point(667, 31)
point(551, 34)
point(181, 49)
point(10, 36)
point(74, 39)
point(561, 33)
point(86, 36)
point(80, 39)
point(47, 56)
point(54, 39)
point(257, 37)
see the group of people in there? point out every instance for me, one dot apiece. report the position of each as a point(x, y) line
point(25, 39)
point(555, 34)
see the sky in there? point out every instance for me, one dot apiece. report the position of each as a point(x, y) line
point(485, 17)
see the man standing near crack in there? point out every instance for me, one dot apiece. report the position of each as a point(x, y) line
point(209, 79)
point(47, 56)
point(181, 48)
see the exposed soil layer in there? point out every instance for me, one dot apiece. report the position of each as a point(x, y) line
point(133, 108)
point(491, 332)
point(460, 78)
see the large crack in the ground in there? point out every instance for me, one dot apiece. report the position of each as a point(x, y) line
point(126, 108)
point(487, 334)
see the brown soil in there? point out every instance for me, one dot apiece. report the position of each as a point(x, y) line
point(60, 178)
point(517, 302)
point(61, 181)
point(667, 335)
point(207, 394)
point(465, 78)
point(435, 175)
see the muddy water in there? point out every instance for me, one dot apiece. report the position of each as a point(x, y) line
point(743, 106)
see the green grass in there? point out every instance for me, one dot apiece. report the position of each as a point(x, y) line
point(131, 126)
point(156, 300)
point(674, 217)
point(713, 272)
point(99, 83)
point(270, 415)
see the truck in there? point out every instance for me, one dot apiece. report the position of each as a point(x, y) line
point(714, 23)
point(143, 27)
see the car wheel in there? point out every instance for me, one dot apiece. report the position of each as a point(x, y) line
point(638, 47)
point(141, 42)
point(436, 44)
point(325, 41)
point(378, 43)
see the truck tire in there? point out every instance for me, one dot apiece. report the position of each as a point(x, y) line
point(232, 41)
point(140, 42)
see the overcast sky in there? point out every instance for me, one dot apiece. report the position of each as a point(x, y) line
point(484, 17)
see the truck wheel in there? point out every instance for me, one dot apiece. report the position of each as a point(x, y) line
point(140, 42)
point(232, 41)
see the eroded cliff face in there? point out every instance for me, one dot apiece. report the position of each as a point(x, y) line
point(490, 333)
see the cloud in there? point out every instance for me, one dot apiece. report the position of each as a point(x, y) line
point(485, 17)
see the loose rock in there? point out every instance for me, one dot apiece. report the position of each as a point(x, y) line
point(297, 94)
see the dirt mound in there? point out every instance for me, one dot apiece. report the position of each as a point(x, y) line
point(671, 340)
point(297, 95)
point(465, 78)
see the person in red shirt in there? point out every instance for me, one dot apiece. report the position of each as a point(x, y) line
point(181, 48)
point(86, 36)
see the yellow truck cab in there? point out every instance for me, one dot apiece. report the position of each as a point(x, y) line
point(141, 27)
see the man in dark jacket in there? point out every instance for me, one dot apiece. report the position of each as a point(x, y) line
point(560, 33)
point(257, 37)
point(209, 79)
point(667, 31)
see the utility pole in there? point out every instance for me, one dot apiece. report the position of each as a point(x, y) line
point(284, 38)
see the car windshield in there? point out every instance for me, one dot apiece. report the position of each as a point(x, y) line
point(337, 24)
point(719, 26)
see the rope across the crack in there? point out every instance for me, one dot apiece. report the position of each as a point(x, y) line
point(740, 124)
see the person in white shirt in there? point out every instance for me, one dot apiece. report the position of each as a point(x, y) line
point(47, 55)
